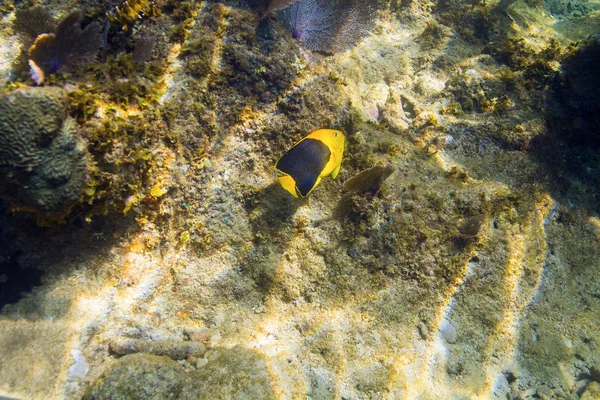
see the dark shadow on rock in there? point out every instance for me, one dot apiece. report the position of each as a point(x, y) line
point(13, 278)
point(271, 213)
point(571, 147)
point(31, 254)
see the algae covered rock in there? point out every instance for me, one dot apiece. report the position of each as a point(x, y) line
point(237, 373)
point(43, 162)
point(141, 376)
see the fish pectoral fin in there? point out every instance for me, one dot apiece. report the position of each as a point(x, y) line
point(288, 183)
point(336, 171)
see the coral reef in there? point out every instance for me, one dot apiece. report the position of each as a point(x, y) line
point(43, 160)
point(452, 258)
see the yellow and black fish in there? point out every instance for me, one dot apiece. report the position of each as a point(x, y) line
point(316, 156)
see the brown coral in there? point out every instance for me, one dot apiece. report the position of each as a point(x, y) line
point(43, 162)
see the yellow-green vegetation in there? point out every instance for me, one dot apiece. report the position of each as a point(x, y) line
point(432, 36)
point(536, 67)
point(117, 104)
point(234, 66)
point(7, 7)
point(131, 10)
point(452, 109)
point(183, 16)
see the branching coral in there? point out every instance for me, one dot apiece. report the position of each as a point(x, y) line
point(63, 47)
point(328, 26)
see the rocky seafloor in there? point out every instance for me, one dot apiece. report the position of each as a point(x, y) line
point(183, 270)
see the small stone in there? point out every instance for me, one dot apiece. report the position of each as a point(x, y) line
point(175, 350)
point(448, 331)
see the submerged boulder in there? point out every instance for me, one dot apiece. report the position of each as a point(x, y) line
point(141, 376)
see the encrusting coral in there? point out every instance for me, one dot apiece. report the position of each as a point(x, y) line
point(43, 162)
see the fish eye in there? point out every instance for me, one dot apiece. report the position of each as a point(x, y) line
point(335, 134)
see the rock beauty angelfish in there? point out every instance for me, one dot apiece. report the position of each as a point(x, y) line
point(316, 156)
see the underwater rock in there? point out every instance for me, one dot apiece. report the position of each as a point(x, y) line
point(576, 98)
point(235, 373)
point(43, 161)
point(572, 146)
point(223, 373)
point(591, 392)
point(140, 376)
point(268, 6)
